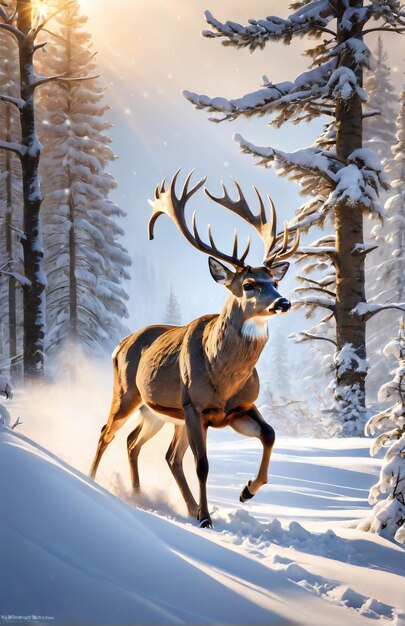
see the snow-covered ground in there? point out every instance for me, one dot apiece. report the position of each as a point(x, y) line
point(75, 553)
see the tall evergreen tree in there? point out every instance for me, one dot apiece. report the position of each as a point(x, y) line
point(386, 268)
point(388, 494)
point(342, 178)
point(381, 106)
point(172, 311)
point(26, 26)
point(85, 263)
point(10, 208)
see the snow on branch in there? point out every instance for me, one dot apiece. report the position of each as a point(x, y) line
point(315, 301)
point(360, 182)
point(13, 30)
point(347, 359)
point(363, 248)
point(19, 149)
point(311, 160)
point(388, 494)
point(308, 86)
point(311, 19)
point(18, 102)
point(366, 310)
point(43, 80)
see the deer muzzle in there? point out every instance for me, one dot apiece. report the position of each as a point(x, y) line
point(282, 305)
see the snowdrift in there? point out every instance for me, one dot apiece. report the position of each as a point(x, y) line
point(73, 553)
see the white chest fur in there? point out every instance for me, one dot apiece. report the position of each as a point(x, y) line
point(255, 327)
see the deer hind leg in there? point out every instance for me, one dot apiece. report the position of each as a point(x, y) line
point(174, 458)
point(252, 424)
point(148, 428)
point(121, 408)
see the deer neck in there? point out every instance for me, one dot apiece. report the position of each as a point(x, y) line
point(233, 341)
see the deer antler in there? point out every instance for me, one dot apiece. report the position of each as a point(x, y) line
point(275, 246)
point(167, 202)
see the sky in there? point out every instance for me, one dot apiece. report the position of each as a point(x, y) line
point(148, 51)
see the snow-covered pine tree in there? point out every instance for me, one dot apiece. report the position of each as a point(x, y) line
point(379, 135)
point(25, 24)
point(10, 210)
point(277, 371)
point(382, 104)
point(172, 312)
point(388, 262)
point(85, 263)
point(388, 494)
point(341, 177)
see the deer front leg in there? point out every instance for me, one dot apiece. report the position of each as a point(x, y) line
point(197, 436)
point(252, 424)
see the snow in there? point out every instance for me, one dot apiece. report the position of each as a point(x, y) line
point(290, 556)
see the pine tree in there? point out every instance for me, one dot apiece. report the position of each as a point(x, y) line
point(10, 208)
point(341, 177)
point(278, 371)
point(381, 106)
point(388, 494)
point(26, 25)
point(387, 273)
point(172, 312)
point(84, 260)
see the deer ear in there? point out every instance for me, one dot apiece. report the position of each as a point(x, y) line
point(220, 273)
point(279, 270)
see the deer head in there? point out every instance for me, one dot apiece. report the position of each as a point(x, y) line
point(254, 287)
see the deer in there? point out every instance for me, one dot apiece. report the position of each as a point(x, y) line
point(203, 374)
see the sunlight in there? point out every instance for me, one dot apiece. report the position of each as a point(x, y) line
point(40, 10)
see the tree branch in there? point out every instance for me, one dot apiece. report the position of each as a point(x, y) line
point(365, 314)
point(321, 289)
point(399, 31)
point(35, 31)
point(305, 336)
point(13, 30)
point(13, 147)
point(18, 422)
point(18, 102)
point(42, 80)
point(325, 304)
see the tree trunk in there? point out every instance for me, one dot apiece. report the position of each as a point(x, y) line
point(350, 278)
point(12, 309)
point(34, 296)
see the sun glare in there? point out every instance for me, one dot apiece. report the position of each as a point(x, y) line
point(40, 10)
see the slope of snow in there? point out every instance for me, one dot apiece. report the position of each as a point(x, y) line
point(75, 553)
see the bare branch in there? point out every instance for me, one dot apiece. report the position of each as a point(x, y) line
point(38, 46)
point(306, 336)
point(18, 422)
point(371, 114)
point(399, 31)
point(321, 289)
point(42, 80)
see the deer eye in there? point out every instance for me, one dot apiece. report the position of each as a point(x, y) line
point(248, 288)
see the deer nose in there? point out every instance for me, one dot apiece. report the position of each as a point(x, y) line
point(283, 305)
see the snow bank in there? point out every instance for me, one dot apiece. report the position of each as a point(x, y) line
point(76, 554)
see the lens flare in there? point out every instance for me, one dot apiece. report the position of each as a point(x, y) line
point(40, 10)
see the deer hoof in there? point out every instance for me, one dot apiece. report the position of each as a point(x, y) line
point(206, 523)
point(246, 495)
